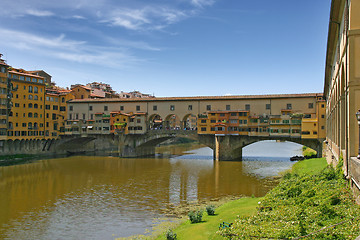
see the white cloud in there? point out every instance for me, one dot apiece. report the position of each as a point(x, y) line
point(146, 18)
point(39, 13)
point(70, 50)
point(202, 3)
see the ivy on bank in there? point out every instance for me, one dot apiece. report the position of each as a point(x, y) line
point(315, 206)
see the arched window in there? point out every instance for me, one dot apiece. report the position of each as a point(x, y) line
point(29, 125)
point(36, 97)
point(63, 99)
point(35, 89)
point(30, 89)
point(35, 116)
point(30, 97)
point(30, 105)
point(30, 114)
point(35, 105)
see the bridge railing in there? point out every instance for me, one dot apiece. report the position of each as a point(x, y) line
point(172, 131)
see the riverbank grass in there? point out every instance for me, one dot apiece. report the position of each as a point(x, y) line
point(209, 225)
point(311, 202)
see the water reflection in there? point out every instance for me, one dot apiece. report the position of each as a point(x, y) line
point(106, 197)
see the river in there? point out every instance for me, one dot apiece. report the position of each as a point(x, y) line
point(92, 197)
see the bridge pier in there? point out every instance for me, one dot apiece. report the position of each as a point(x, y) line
point(225, 149)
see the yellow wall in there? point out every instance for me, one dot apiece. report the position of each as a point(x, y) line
point(28, 107)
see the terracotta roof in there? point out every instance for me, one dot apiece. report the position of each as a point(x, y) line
point(24, 73)
point(159, 99)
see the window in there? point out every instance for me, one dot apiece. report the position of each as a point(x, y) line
point(30, 89)
point(233, 114)
point(70, 108)
point(203, 129)
point(63, 99)
point(233, 121)
point(30, 97)
point(30, 115)
point(247, 107)
point(311, 105)
point(23, 124)
point(30, 105)
point(227, 107)
point(307, 116)
point(190, 107)
point(138, 120)
point(222, 114)
point(268, 106)
point(203, 120)
point(288, 106)
point(90, 108)
point(35, 89)
point(172, 107)
point(322, 105)
point(208, 107)
point(47, 107)
point(35, 115)
point(322, 127)
point(47, 115)
point(322, 116)
point(137, 108)
point(63, 109)
point(105, 108)
point(36, 97)
point(154, 108)
point(55, 107)
point(17, 104)
point(83, 117)
point(213, 121)
point(91, 116)
point(121, 108)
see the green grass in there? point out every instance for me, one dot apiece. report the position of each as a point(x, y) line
point(309, 166)
point(210, 224)
point(314, 199)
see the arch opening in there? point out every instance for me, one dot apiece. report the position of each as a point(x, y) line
point(172, 122)
point(189, 122)
point(155, 122)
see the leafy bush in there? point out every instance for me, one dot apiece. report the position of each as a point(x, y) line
point(195, 216)
point(300, 205)
point(170, 235)
point(210, 209)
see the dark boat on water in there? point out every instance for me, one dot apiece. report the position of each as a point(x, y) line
point(297, 158)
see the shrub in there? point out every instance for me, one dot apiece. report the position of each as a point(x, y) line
point(329, 173)
point(195, 216)
point(210, 209)
point(170, 235)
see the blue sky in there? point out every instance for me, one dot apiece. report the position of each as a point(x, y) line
point(171, 47)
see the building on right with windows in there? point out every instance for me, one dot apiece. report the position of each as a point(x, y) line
point(342, 87)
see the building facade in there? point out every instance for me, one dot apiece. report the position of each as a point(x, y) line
point(294, 115)
point(342, 86)
point(4, 100)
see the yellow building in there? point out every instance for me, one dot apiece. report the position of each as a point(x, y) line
point(26, 119)
point(56, 112)
point(4, 102)
point(286, 124)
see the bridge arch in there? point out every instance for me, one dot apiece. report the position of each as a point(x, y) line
point(189, 121)
point(155, 121)
point(172, 121)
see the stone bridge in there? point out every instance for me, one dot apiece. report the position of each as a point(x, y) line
point(225, 147)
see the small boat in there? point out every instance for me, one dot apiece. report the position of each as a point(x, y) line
point(297, 158)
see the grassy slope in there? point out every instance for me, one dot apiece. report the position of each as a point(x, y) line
point(225, 213)
point(308, 166)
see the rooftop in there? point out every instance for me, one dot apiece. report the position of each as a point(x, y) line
point(159, 99)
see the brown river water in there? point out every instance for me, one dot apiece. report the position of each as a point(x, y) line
point(92, 197)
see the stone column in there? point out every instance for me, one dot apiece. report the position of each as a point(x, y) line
point(224, 149)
